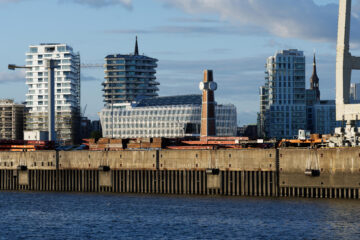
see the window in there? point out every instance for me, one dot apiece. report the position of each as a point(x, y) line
point(33, 49)
point(61, 48)
point(49, 49)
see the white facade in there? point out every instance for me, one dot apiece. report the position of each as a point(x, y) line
point(283, 102)
point(36, 135)
point(171, 121)
point(67, 90)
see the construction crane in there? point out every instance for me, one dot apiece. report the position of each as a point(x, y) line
point(83, 112)
point(87, 65)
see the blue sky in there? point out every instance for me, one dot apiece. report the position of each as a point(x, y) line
point(232, 37)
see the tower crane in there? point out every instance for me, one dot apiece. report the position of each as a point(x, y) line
point(90, 65)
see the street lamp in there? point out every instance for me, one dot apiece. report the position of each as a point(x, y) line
point(13, 66)
point(51, 64)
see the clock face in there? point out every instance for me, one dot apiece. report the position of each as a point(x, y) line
point(201, 86)
point(213, 86)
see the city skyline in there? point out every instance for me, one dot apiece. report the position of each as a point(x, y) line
point(235, 47)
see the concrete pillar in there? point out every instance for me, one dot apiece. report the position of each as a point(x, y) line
point(73, 180)
point(128, 181)
point(176, 189)
point(266, 183)
point(121, 181)
point(151, 181)
point(245, 179)
point(44, 180)
point(237, 183)
point(157, 182)
point(1, 179)
point(142, 180)
point(147, 181)
point(188, 181)
point(256, 184)
point(183, 181)
point(172, 182)
point(117, 180)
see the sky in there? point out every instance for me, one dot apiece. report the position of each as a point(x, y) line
point(231, 37)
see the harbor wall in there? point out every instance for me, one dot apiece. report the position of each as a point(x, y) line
point(337, 172)
point(323, 173)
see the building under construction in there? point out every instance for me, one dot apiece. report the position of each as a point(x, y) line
point(11, 119)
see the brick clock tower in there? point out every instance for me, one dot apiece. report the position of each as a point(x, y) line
point(208, 86)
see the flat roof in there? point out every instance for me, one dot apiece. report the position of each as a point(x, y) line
point(193, 99)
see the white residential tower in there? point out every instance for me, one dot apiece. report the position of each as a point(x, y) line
point(67, 90)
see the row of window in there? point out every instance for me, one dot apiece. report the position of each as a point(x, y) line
point(52, 49)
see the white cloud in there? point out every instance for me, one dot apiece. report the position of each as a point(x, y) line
point(9, 1)
point(102, 3)
point(12, 76)
point(302, 19)
point(92, 3)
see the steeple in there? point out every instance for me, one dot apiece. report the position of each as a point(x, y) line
point(136, 52)
point(314, 80)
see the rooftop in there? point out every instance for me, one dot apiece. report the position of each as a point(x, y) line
point(130, 56)
point(170, 100)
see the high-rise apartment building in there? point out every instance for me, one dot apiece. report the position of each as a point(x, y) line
point(67, 90)
point(283, 101)
point(286, 105)
point(128, 77)
point(11, 120)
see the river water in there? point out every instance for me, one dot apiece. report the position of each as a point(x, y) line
point(113, 216)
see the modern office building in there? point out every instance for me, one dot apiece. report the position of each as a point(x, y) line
point(67, 90)
point(11, 120)
point(129, 77)
point(324, 117)
point(283, 102)
point(172, 117)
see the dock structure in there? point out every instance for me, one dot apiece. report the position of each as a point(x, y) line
point(322, 173)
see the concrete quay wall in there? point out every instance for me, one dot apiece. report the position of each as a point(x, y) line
point(336, 172)
point(236, 160)
point(326, 173)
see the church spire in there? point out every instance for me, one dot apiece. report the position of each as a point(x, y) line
point(314, 80)
point(136, 52)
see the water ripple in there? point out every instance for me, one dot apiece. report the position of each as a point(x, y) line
point(114, 216)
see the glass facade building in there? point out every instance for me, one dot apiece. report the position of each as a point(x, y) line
point(172, 117)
